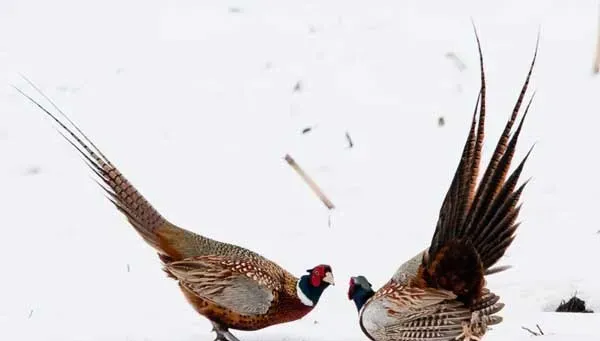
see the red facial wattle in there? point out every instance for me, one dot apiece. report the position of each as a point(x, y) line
point(351, 289)
point(318, 273)
point(315, 279)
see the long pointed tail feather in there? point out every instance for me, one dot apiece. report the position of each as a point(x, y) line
point(477, 224)
point(474, 212)
point(143, 217)
point(172, 242)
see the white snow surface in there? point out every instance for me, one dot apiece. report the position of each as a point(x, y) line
point(194, 101)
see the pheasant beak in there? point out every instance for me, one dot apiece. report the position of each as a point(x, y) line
point(329, 278)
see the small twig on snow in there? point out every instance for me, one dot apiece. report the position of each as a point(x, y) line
point(540, 329)
point(441, 121)
point(457, 62)
point(306, 130)
point(529, 330)
point(309, 181)
point(533, 332)
point(298, 86)
point(349, 139)
point(597, 59)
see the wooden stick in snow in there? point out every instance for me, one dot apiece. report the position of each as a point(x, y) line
point(309, 181)
point(597, 59)
point(541, 332)
point(531, 331)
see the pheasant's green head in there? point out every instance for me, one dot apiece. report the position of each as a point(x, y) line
point(312, 285)
point(360, 290)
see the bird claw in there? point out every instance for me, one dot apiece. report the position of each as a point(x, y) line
point(225, 336)
point(471, 329)
point(222, 333)
point(467, 333)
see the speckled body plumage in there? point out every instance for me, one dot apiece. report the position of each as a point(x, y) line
point(230, 285)
point(388, 315)
point(281, 285)
point(440, 294)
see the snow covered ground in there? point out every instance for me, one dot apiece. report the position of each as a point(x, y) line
point(195, 102)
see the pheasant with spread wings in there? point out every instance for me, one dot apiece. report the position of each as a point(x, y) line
point(440, 294)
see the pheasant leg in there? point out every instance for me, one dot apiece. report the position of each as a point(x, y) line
point(467, 333)
point(223, 333)
point(479, 322)
point(472, 329)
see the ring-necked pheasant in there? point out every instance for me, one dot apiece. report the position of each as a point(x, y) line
point(440, 294)
point(233, 287)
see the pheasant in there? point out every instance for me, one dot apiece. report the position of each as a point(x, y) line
point(440, 294)
point(233, 287)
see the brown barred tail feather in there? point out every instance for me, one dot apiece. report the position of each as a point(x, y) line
point(476, 224)
point(145, 219)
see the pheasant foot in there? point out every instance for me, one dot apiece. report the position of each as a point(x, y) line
point(223, 333)
point(467, 333)
point(479, 322)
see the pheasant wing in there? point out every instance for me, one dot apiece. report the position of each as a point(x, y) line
point(404, 313)
point(438, 322)
point(235, 284)
point(443, 321)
